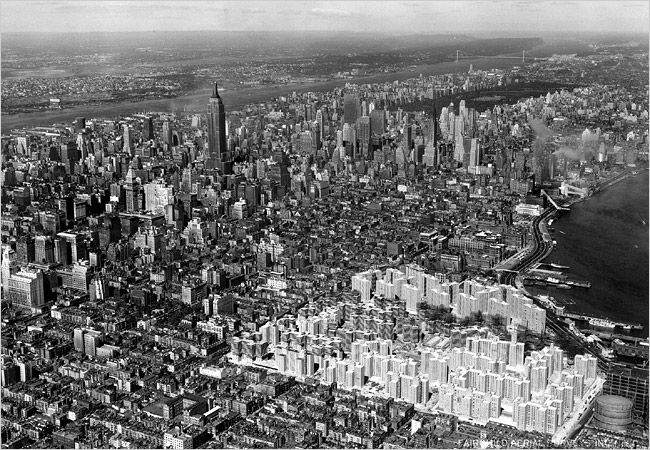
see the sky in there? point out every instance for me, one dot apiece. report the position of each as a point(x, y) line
point(534, 16)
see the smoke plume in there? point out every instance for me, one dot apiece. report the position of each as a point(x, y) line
point(542, 134)
point(572, 154)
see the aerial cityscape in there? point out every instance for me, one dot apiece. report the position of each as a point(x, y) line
point(292, 224)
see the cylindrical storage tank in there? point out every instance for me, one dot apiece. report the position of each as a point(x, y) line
point(613, 413)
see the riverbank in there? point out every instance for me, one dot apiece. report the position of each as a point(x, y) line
point(605, 241)
point(236, 99)
point(602, 185)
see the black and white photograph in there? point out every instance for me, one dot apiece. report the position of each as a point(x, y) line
point(293, 224)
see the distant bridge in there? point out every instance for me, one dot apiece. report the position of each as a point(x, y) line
point(460, 55)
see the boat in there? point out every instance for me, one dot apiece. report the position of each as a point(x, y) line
point(602, 323)
point(563, 286)
point(557, 266)
point(561, 231)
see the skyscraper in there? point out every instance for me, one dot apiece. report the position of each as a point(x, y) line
point(127, 138)
point(364, 134)
point(218, 155)
point(147, 128)
point(132, 188)
point(25, 250)
point(157, 195)
point(350, 106)
point(189, 178)
point(377, 121)
point(321, 127)
point(167, 133)
point(430, 157)
point(78, 339)
point(475, 153)
point(43, 249)
point(79, 124)
point(436, 126)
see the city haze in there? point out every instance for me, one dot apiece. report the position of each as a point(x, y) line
point(389, 17)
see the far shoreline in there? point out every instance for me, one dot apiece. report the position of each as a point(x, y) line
point(196, 100)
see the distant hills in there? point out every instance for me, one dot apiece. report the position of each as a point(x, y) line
point(254, 42)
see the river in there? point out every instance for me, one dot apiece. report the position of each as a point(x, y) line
point(604, 240)
point(237, 98)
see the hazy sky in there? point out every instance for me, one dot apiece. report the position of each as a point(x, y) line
point(536, 16)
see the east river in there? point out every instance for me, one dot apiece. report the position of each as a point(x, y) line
point(604, 240)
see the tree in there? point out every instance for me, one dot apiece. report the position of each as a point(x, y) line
point(448, 317)
point(498, 320)
point(437, 313)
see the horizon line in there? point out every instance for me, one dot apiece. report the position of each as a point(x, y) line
point(387, 33)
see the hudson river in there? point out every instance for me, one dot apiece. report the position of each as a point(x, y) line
point(604, 240)
point(237, 98)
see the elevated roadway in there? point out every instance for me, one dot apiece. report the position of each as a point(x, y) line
point(550, 199)
point(542, 247)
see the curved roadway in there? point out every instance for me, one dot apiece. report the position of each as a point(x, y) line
point(541, 250)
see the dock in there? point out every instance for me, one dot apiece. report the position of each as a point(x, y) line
point(622, 337)
point(557, 278)
point(586, 318)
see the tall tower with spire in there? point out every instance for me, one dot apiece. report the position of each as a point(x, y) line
point(430, 157)
point(132, 189)
point(436, 126)
point(218, 155)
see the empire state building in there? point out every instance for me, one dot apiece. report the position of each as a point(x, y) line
point(218, 155)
